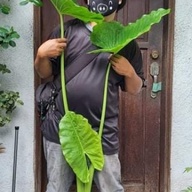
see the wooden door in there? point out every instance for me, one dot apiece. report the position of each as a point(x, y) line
point(142, 119)
point(140, 115)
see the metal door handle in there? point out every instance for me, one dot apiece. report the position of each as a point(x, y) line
point(154, 72)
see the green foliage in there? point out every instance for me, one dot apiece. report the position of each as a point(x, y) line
point(187, 170)
point(4, 69)
point(35, 2)
point(68, 7)
point(7, 37)
point(79, 141)
point(4, 9)
point(120, 35)
point(9, 99)
point(8, 102)
point(189, 189)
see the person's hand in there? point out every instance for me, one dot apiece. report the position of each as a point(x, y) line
point(121, 65)
point(49, 49)
point(52, 48)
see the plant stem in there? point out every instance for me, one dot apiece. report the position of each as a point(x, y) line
point(64, 94)
point(88, 186)
point(80, 185)
point(104, 100)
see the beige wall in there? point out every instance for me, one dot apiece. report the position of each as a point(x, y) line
point(20, 62)
point(181, 150)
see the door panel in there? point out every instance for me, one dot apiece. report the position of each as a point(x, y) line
point(139, 119)
point(140, 115)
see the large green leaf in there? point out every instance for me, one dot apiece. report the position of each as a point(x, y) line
point(68, 7)
point(79, 142)
point(113, 36)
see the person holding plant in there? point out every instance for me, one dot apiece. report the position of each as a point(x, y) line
point(85, 93)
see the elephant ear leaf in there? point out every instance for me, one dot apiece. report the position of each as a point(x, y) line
point(80, 145)
point(69, 7)
point(112, 36)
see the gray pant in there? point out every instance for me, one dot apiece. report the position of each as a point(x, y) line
point(60, 175)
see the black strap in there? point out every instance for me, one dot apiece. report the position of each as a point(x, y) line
point(73, 68)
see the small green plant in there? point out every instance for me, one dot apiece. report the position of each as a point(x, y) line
point(8, 100)
point(189, 189)
point(7, 37)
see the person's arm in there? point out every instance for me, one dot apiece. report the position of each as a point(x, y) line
point(133, 83)
point(49, 49)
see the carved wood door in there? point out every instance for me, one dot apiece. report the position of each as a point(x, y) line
point(140, 116)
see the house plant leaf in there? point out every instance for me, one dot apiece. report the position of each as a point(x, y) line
point(68, 7)
point(113, 36)
point(79, 142)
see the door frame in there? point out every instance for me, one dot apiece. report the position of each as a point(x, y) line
point(166, 108)
point(166, 100)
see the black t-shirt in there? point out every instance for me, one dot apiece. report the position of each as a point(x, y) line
point(85, 90)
